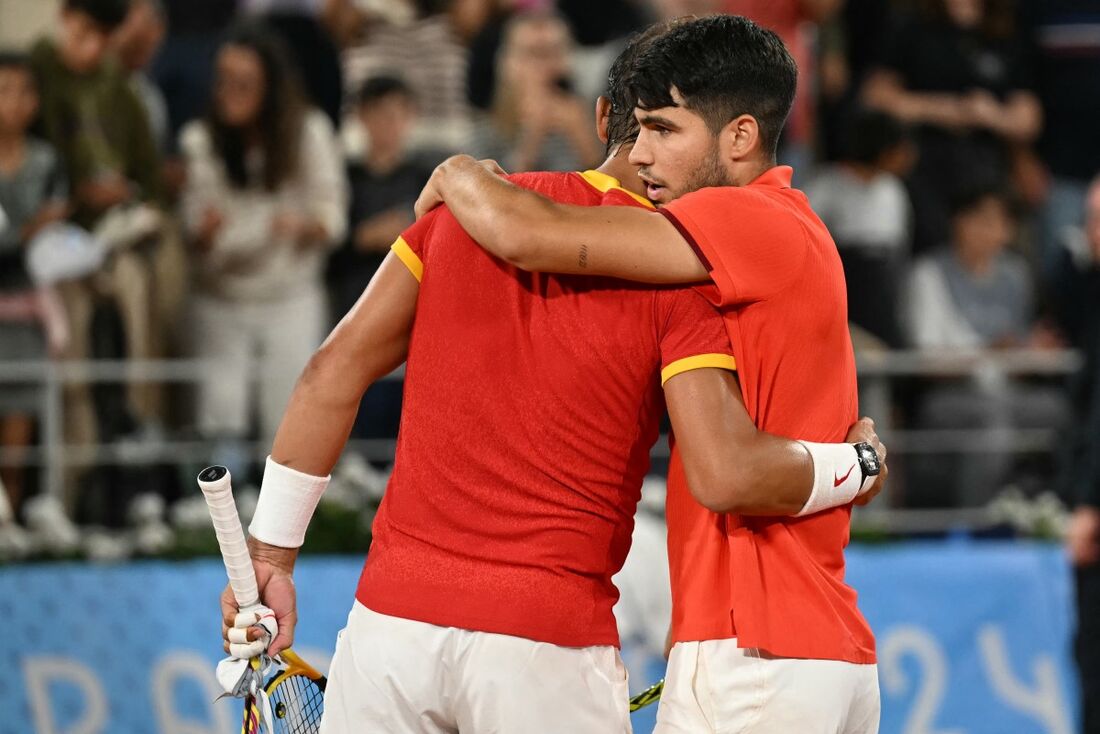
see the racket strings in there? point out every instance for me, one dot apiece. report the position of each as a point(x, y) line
point(297, 703)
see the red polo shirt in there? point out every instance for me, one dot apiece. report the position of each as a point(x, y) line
point(775, 583)
point(531, 404)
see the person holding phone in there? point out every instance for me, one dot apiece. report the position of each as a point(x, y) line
point(536, 121)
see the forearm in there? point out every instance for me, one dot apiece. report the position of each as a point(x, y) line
point(534, 233)
point(319, 417)
point(885, 92)
point(730, 465)
point(1021, 118)
point(759, 474)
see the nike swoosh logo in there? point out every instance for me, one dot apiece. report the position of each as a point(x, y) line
point(837, 481)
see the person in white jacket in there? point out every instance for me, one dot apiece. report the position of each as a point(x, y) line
point(265, 201)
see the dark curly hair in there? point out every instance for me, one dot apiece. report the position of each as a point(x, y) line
point(722, 66)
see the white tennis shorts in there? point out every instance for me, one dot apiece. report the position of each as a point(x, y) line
point(715, 686)
point(404, 677)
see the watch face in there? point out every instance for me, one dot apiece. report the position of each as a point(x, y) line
point(869, 459)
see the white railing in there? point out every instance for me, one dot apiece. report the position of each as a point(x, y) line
point(877, 371)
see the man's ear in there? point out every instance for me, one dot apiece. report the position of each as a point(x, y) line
point(740, 138)
point(603, 114)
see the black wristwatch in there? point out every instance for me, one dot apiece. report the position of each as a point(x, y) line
point(868, 460)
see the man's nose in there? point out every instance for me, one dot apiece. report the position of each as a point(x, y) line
point(640, 154)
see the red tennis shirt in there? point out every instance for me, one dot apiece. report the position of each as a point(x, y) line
point(775, 583)
point(531, 403)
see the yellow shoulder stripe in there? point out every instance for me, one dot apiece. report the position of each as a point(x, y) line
point(698, 362)
point(411, 259)
point(604, 183)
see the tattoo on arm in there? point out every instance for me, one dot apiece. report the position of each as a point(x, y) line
point(583, 261)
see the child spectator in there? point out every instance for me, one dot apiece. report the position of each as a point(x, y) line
point(265, 199)
point(384, 185)
point(863, 202)
point(32, 195)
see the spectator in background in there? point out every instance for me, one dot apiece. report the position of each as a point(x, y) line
point(300, 23)
point(1066, 48)
point(32, 195)
point(863, 202)
point(98, 126)
point(976, 295)
point(263, 203)
point(536, 122)
point(1081, 468)
point(958, 73)
point(136, 43)
point(423, 41)
point(91, 115)
point(385, 183)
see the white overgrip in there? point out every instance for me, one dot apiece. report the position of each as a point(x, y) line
point(217, 488)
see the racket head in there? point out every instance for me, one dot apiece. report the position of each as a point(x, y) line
point(296, 692)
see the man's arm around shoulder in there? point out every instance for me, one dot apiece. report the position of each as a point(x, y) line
point(537, 234)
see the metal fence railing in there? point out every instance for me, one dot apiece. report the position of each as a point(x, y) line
point(879, 373)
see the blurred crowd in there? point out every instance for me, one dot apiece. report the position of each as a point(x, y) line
point(219, 180)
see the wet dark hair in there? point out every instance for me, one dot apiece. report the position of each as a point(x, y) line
point(622, 126)
point(377, 87)
point(107, 14)
point(870, 134)
point(722, 66)
point(279, 120)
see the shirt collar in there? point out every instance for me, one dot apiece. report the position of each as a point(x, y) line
point(777, 176)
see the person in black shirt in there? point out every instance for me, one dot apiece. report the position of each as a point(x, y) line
point(960, 75)
point(1066, 52)
point(384, 185)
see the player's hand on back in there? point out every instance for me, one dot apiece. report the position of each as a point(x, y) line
point(863, 431)
point(274, 567)
point(432, 194)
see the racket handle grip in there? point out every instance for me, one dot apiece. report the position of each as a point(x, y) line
point(217, 488)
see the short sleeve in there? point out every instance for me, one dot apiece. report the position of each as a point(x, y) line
point(751, 248)
point(411, 247)
point(692, 334)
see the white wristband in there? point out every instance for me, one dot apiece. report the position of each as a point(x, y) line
point(838, 476)
point(287, 501)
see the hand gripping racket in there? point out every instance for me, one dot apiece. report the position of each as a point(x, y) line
point(295, 690)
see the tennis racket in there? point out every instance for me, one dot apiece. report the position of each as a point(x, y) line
point(295, 690)
point(648, 696)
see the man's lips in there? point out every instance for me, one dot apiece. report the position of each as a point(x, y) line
point(653, 188)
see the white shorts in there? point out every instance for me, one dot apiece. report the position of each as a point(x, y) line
point(714, 686)
point(403, 677)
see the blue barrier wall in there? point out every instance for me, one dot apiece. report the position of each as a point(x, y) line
point(973, 639)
